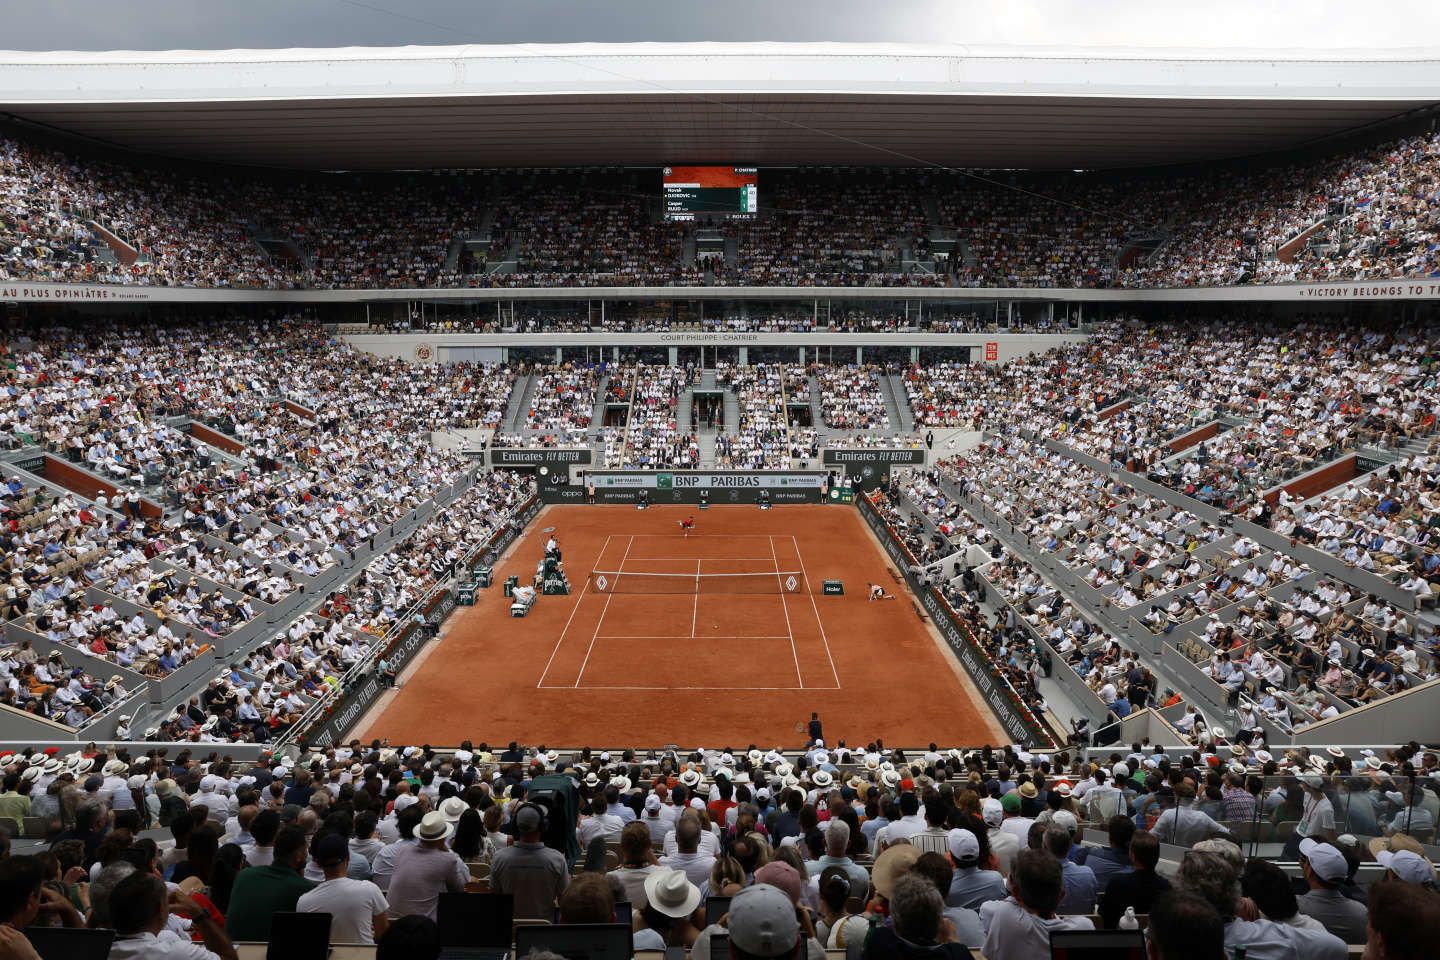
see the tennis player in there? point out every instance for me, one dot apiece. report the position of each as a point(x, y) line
point(877, 592)
point(686, 526)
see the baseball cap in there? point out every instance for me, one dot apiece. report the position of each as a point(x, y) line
point(1408, 866)
point(1010, 803)
point(1066, 819)
point(1326, 860)
point(779, 874)
point(964, 846)
point(762, 921)
point(652, 803)
point(993, 811)
point(331, 850)
point(527, 819)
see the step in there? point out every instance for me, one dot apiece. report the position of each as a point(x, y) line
point(705, 440)
point(519, 402)
point(597, 416)
point(732, 411)
point(683, 409)
point(902, 418)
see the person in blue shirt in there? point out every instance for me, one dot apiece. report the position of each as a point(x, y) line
point(1079, 880)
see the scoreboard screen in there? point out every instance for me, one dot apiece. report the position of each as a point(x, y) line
point(711, 191)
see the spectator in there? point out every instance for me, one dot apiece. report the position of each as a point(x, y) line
point(260, 892)
point(1403, 922)
point(357, 907)
point(971, 885)
point(1183, 927)
point(1211, 878)
point(1137, 887)
point(917, 926)
point(140, 905)
point(427, 870)
point(531, 872)
point(687, 856)
point(409, 938)
point(1106, 862)
point(1078, 880)
point(1268, 887)
point(1325, 870)
point(670, 913)
point(1019, 927)
point(963, 923)
point(24, 898)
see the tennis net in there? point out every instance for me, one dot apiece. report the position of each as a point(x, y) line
point(615, 581)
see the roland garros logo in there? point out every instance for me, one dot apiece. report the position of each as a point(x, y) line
point(424, 352)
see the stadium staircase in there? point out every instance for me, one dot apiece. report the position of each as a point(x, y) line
point(597, 416)
point(966, 255)
point(732, 252)
point(519, 401)
point(897, 403)
point(684, 408)
point(705, 439)
point(815, 415)
point(732, 411)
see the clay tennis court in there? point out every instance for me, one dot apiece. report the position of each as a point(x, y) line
point(722, 637)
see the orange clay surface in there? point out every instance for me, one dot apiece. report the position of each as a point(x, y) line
point(713, 668)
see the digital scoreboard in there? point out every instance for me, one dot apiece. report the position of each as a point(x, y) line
point(711, 191)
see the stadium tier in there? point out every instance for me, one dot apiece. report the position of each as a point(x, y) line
point(1355, 213)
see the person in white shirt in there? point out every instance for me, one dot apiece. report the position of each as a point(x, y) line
point(909, 824)
point(656, 820)
point(357, 907)
point(140, 908)
point(688, 857)
point(1019, 927)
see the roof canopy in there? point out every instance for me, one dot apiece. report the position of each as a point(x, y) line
point(768, 104)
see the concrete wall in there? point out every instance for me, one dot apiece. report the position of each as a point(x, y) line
point(1409, 714)
point(1307, 485)
point(427, 347)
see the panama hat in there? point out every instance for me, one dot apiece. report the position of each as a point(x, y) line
point(434, 827)
point(671, 893)
point(822, 779)
point(452, 808)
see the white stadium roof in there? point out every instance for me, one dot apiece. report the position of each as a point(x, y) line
point(767, 104)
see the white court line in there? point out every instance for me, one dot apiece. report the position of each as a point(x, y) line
point(785, 605)
point(681, 536)
point(723, 636)
point(687, 559)
point(598, 687)
point(591, 649)
point(695, 610)
point(561, 639)
point(818, 622)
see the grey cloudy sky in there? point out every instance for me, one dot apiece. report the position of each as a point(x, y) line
point(215, 24)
